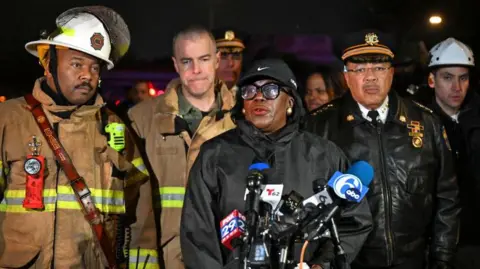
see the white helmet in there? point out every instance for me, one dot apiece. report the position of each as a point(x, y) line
point(95, 30)
point(451, 52)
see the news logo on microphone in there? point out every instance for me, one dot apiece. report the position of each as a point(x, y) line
point(232, 227)
point(348, 186)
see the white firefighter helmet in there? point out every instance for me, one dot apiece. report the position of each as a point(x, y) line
point(451, 52)
point(95, 30)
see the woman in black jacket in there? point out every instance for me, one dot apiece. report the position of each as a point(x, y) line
point(267, 114)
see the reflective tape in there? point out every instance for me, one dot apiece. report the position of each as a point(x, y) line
point(13, 201)
point(107, 201)
point(170, 197)
point(143, 258)
point(140, 165)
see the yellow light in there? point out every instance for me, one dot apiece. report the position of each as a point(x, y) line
point(435, 19)
point(3, 99)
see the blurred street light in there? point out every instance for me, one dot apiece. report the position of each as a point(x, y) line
point(435, 20)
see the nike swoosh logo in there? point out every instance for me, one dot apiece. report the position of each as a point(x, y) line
point(262, 68)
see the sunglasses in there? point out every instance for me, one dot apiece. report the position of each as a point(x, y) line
point(270, 91)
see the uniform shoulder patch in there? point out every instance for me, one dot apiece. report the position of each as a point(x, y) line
point(423, 107)
point(322, 109)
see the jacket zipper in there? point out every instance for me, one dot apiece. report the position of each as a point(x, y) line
point(387, 198)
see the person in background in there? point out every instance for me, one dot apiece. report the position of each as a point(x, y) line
point(174, 125)
point(318, 89)
point(231, 47)
point(458, 106)
point(140, 92)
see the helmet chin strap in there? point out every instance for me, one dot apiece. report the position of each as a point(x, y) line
point(52, 68)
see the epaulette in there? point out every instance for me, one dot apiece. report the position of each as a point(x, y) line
point(322, 109)
point(423, 107)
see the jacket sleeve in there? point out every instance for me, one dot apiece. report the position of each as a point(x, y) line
point(445, 224)
point(198, 231)
point(354, 222)
point(3, 163)
point(139, 218)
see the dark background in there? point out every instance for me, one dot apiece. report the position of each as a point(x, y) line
point(153, 23)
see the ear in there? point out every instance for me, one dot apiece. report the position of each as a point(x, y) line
point(291, 102)
point(217, 59)
point(175, 63)
point(347, 79)
point(431, 80)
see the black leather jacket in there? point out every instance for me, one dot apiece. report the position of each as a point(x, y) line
point(464, 137)
point(414, 194)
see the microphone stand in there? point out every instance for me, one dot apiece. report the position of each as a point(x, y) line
point(254, 181)
point(340, 255)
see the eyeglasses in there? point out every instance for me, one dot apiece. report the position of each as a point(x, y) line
point(270, 91)
point(377, 70)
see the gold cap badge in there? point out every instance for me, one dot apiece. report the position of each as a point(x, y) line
point(229, 35)
point(371, 39)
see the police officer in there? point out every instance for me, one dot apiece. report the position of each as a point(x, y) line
point(413, 196)
point(459, 109)
point(231, 47)
point(63, 122)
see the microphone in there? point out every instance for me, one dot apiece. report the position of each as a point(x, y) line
point(252, 201)
point(232, 229)
point(256, 252)
point(271, 194)
point(351, 186)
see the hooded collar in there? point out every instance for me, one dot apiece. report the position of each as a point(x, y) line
point(58, 111)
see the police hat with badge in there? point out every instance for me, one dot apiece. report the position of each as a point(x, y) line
point(229, 40)
point(368, 44)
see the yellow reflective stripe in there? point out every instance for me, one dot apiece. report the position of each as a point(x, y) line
point(171, 204)
point(172, 190)
point(140, 165)
point(21, 193)
point(13, 201)
point(107, 201)
point(143, 258)
point(171, 197)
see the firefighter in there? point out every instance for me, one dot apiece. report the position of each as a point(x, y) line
point(67, 164)
point(231, 47)
point(175, 124)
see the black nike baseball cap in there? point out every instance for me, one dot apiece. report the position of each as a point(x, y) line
point(275, 69)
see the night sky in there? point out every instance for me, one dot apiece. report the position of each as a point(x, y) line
point(153, 23)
